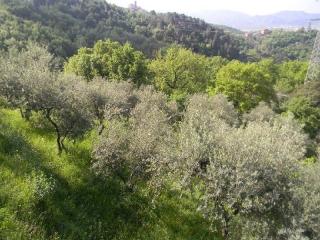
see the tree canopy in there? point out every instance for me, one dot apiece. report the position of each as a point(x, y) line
point(245, 84)
point(182, 146)
point(179, 71)
point(67, 25)
point(109, 60)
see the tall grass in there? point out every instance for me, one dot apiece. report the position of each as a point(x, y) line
point(46, 196)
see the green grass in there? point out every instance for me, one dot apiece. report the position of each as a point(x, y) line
point(44, 196)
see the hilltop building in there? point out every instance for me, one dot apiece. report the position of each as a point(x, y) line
point(134, 7)
point(248, 34)
point(265, 31)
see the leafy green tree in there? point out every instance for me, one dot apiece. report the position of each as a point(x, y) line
point(127, 63)
point(179, 71)
point(110, 60)
point(245, 84)
point(216, 63)
point(270, 68)
point(291, 75)
point(81, 64)
point(310, 90)
point(306, 113)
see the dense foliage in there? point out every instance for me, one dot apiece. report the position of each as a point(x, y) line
point(291, 75)
point(245, 84)
point(281, 45)
point(243, 170)
point(247, 172)
point(179, 71)
point(152, 129)
point(110, 60)
point(68, 25)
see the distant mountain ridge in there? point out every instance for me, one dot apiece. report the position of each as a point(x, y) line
point(284, 19)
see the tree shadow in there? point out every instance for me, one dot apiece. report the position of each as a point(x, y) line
point(84, 206)
point(94, 208)
point(179, 212)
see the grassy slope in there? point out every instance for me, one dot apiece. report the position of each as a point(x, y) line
point(43, 196)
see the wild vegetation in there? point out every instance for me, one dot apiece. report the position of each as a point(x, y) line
point(114, 144)
point(67, 25)
point(241, 155)
point(282, 45)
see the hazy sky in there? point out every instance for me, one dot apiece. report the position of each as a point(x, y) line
point(251, 7)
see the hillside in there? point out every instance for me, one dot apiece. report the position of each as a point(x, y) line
point(50, 197)
point(68, 25)
point(281, 45)
point(181, 146)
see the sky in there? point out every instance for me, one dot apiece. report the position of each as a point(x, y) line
point(252, 7)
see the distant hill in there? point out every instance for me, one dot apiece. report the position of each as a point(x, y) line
point(66, 25)
point(284, 19)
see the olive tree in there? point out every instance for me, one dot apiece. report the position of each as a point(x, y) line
point(30, 81)
point(262, 113)
point(248, 174)
point(111, 151)
point(11, 86)
point(109, 99)
point(136, 148)
point(19, 70)
point(152, 135)
point(66, 107)
point(251, 178)
point(310, 193)
point(216, 106)
point(205, 121)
